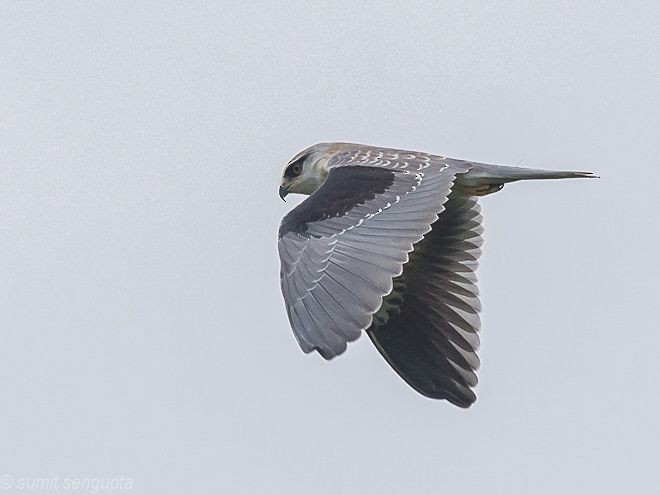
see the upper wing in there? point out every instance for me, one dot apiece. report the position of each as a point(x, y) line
point(427, 327)
point(342, 246)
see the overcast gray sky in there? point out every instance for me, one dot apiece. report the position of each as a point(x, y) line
point(142, 330)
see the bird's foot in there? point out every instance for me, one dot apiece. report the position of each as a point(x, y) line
point(482, 190)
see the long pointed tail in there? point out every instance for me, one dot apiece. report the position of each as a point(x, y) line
point(481, 174)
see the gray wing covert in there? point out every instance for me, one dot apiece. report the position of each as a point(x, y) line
point(341, 248)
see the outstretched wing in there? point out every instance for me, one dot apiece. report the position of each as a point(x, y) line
point(342, 246)
point(427, 326)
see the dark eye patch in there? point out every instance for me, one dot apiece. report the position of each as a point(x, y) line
point(294, 169)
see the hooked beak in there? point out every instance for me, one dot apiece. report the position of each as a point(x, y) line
point(284, 190)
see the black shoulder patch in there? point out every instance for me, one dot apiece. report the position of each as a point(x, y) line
point(343, 190)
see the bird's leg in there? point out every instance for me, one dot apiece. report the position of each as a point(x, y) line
point(481, 190)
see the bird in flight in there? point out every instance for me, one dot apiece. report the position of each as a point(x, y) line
point(388, 242)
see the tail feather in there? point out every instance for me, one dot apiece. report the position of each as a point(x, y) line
point(481, 174)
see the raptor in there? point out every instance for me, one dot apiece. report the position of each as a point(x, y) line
point(388, 243)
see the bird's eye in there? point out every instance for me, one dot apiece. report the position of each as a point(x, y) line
point(296, 169)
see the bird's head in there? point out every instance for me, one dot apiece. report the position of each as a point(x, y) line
point(306, 171)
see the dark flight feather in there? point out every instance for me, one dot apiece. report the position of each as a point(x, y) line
point(426, 340)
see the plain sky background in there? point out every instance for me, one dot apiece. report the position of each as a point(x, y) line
point(142, 330)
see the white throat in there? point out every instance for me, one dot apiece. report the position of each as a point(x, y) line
point(314, 174)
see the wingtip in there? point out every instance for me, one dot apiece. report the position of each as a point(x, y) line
point(464, 402)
